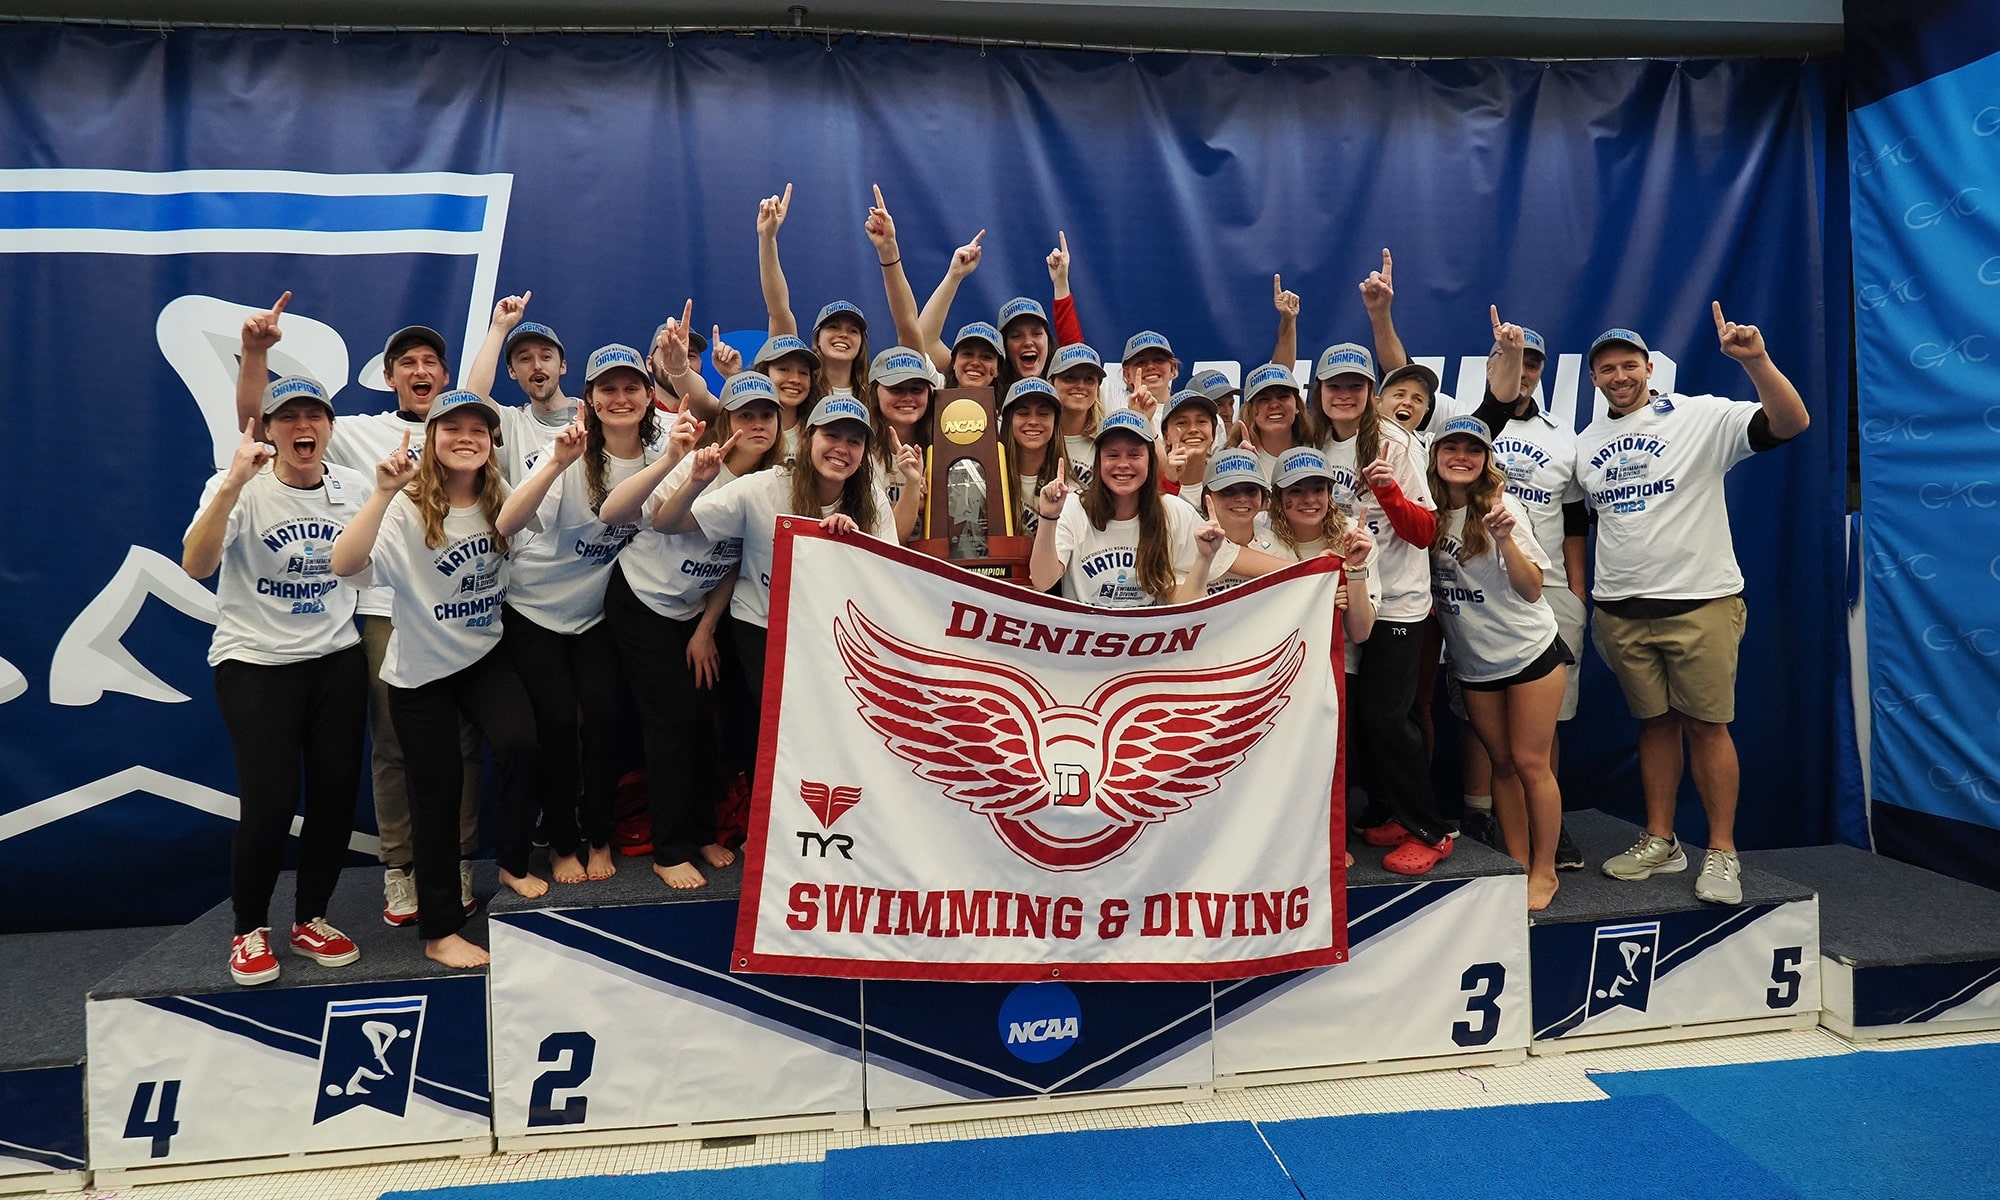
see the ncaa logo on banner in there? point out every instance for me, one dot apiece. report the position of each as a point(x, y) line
point(1621, 967)
point(1039, 1022)
point(368, 1055)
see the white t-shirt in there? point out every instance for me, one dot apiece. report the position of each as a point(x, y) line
point(277, 600)
point(1082, 454)
point(1490, 631)
point(360, 441)
point(791, 439)
point(1405, 570)
point(447, 610)
point(748, 509)
point(558, 578)
point(1373, 584)
point(1261, 539)
point(1539, 458)
point(673, 573)
point(525, 433)
point(1100, 566)
point(1655, 478)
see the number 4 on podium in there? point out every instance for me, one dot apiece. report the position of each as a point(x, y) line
point(162, 1126)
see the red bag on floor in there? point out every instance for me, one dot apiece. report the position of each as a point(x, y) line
point(732, 816)
point(632, 827)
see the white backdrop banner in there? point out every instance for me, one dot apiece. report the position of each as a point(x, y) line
point(964, 779)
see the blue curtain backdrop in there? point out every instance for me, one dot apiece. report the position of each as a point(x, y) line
point(1926, 183)
point(616, 176)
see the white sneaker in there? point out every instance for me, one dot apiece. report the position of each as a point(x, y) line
point(1721, 878)
point(1649, 856)
point(399, 896)
point(465, 885)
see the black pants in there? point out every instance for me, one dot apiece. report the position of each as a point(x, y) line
point(490, 696)
point(675, 719)
point(300, 721)
point(1385, 743)
point(567, 675)
point(750, 642)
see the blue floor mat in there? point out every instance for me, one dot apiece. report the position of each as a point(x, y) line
point(1876, 1125)
point(1639, 1148)
point(787, 1181)
point(1223, 1161)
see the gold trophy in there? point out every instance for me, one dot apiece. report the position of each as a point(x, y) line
point(969, 508)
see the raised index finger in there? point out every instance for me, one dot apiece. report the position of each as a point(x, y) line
point(1493, 310)
point(878, 197)
point(785, 201)
point(1062, 239)
point(279, 308)
point(1388, 264)
point(1716, 305)
point(976, 237)
point(1277, 287)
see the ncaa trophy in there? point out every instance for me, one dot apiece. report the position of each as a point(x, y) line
point(969, 507)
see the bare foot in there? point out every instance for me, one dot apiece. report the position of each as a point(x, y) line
point(528, 886)
point(1350, 858)
point(601, 866)
point(455, 951)
point(680, 875)
point(566, 868)
point(1541, 890)
point(718, 855)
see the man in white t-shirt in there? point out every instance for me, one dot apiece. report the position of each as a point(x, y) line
point(1668, 591)
point(535, 360)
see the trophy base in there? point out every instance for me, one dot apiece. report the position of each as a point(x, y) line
point(1005, 558)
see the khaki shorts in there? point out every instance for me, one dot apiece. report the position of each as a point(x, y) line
point(1685, 663)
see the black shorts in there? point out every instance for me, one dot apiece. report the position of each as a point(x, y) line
point(1557, 655)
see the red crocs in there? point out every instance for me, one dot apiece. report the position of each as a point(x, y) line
point(1415, 858)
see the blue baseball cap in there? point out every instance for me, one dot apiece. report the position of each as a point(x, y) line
point(1471, 427)
point(1232, 467)
point(779, 347)
point(1074, 356)
point(1268, 376)
point(1030, 387)
point(1214, 384)
point(1347, 358)
point(978, 331)
point(1298, 464)
point(745, 387)
point(458, 401)
point(1021, 306)
point(611, 358)
point(838, 408)
point(1145, 339)
point(1616, 337)
point(1530, 340)
point(835, 309)
point(282, 391)
point(1126, 421)
point(530, 330)
point(899, 364)
point(1189, 396)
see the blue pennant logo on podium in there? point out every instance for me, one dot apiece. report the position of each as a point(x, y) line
point(368, 1055)
point(1621, 967)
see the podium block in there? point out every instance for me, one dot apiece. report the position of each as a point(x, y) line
point(621, 1022)
point(1438, 977)
point(192, 1076)
point(1904, 951)
point(1621, 963)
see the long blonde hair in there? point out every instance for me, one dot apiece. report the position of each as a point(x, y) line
point(1482, 496)
point(429, 492)
point(1153, 558)
point(1332, 527)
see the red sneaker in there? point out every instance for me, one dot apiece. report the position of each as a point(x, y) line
point(250, 958)
point(1415, 858)
point(1388, 833)
point(324, 944)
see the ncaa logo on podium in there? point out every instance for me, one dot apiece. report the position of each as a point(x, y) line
point(1621, 967)
point(368, 1055)
point(1039, 1022)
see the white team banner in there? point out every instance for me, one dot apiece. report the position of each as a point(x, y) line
point(965, 779)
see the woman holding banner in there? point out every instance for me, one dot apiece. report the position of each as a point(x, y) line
point(430, 530)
